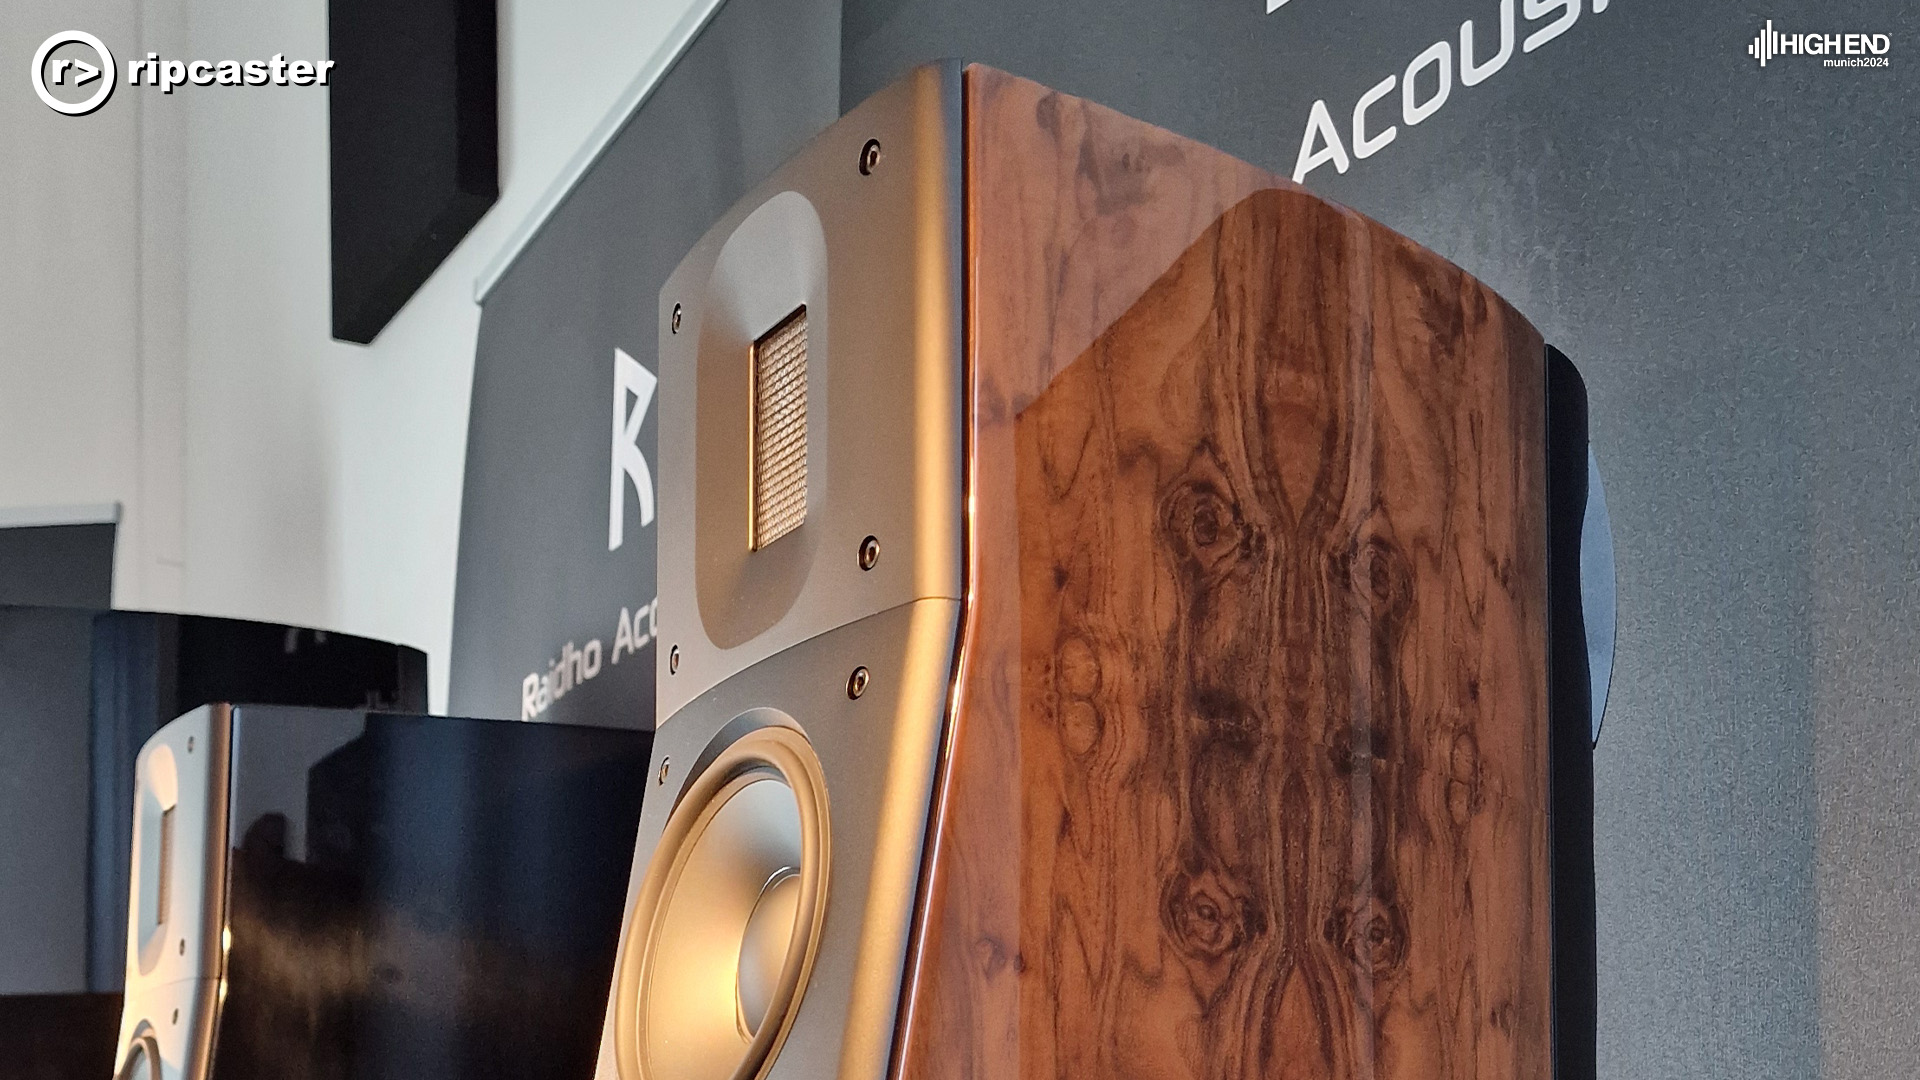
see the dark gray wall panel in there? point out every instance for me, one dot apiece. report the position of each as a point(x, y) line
point(57, 565)
point(535, 570)
point(1729, 255)
point(45, 667)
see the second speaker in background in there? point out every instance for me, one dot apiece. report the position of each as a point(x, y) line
point(338, 895)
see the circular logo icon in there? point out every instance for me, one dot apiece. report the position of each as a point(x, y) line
point(72, 71)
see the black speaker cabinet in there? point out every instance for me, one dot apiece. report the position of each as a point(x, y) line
point(84, 689)
point(1108, 628)
point(335, 895)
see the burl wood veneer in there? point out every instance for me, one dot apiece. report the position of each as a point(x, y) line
point(1247, 771)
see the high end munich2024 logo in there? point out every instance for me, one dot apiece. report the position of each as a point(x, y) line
point(1835, 50)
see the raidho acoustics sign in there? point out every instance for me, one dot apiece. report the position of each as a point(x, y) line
point(1426, 84)
point(635, 628)
point(633, 388)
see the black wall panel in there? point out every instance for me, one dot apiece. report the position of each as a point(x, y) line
point(414, 131)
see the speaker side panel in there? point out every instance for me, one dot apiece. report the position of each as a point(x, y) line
point(1248, 776)
point(1575, 948)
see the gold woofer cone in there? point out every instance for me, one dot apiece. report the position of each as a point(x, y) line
point(724, 931)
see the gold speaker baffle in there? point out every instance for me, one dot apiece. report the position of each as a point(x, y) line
point(727, 922)
point(869, 157)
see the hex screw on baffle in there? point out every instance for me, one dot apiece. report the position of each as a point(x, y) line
point(857, 682)
point(676, 318)
point(869, 552)
point(666, 766)
point(869, 157)
point(673, 660)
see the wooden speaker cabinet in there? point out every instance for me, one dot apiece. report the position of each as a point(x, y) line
point(1106, 598)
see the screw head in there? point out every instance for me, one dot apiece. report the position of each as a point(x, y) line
point(857, 682)
point(673, 660)
point(189, 744)
point(183, 946)
point(676, 318)
point(869, 552)
point(176, 1016)
point(666, 766)
point(869, 157)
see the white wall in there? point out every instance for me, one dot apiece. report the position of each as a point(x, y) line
point(71, 376)
point(164, 314)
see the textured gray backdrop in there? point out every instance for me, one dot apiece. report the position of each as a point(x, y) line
point(1732, 256)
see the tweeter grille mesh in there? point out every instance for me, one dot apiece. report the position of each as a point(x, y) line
point(164, 885)
point(780, 430)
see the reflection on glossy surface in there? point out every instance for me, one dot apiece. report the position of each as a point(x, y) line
point(441, 899)
point(1597, 590)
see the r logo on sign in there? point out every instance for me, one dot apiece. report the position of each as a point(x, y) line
point(630, 380)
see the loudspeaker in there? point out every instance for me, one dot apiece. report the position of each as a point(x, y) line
point(86, 688)
point(1105, 622)
point(336, 895)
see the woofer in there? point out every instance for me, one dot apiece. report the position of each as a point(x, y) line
point(727, 922)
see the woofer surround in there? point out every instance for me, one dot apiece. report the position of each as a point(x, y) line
point(727, 921)
point(142, 1060)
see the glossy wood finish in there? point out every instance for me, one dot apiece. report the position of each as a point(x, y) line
point(1247, 773)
